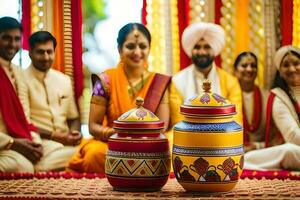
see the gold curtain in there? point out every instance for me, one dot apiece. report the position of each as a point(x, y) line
point(296, 23)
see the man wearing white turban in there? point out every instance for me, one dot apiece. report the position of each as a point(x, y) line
point(202, 42)
point(283, 116)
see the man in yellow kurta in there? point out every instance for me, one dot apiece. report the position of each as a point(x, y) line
point(49, 99)
point(202, 42)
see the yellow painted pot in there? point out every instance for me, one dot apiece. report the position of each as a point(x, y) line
point(208, 145)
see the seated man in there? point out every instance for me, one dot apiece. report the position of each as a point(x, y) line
point(202, 42)
point(21, 149)
point(49, 100)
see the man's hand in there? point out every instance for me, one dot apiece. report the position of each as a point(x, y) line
point(71, 138)
point(249, 147)
point(30, 150)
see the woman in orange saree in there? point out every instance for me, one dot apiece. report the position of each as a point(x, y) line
point(114, 93)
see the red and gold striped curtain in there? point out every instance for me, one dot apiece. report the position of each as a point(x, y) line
point(286, 20)
point(260, 26)
point(63, 19)
point(183, 8)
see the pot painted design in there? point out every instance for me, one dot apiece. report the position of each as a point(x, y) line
point(138, 157)
point(208, 145)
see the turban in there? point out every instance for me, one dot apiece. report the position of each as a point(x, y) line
point(213, 34)
point(281, 52)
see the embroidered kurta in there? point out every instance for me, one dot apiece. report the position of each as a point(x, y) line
point(285, 116)
point(55, 155)
point(257, 137)
point(188, 83)
point(278, 156)
point(15, 75)
point(49, 100)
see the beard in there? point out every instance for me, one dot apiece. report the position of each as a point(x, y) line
point(202, 61)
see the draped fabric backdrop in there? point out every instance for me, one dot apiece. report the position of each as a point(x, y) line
point(26, 22)
point(183, 8)
point(260, 26)
point(63, 18)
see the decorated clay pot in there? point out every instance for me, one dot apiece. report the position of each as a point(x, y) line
point(138, 157)
point(208, 144)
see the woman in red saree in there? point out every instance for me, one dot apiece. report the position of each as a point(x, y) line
point(282, 137)
point(114, 93)
point(254, 101)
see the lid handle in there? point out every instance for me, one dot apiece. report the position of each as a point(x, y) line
point(139, 101)
point(206, 86)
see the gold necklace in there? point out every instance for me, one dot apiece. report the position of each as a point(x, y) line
point(133, 88)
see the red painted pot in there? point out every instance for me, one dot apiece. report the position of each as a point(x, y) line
point(138, 157)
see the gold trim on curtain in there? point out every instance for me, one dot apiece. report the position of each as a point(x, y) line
point(175, 38)
point(196, 12)
point(227, 21)
point(58, 32)
point(242, 26)
point(296, 23)
point(156, 25)
point(48, 15)
point(67, 25)
point(257, 36)
point(36, 19)
point(272, 39)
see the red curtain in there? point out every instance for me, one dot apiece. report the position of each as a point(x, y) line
point(144, 12)
point(286, 22)
point(183, 21)
point(76, 13)
point(26, 22)
point(218, 15)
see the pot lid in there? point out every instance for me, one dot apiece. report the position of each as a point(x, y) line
point(207, 104)
point(138, 118)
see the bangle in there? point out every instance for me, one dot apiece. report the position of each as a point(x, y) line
point(107, 132)
point(9, 144)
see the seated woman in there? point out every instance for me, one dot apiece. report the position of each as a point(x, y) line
point(115, 92)
point(254, 101)
point(283, 111)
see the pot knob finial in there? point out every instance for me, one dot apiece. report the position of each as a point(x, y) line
point(139, 101)
point(206, 85)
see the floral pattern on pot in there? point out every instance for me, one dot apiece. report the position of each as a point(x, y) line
point(201, 171)
point(219, 98)
point(208, 144)
point(205, 98)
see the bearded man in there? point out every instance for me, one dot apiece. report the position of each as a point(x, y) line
point(202, 42)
